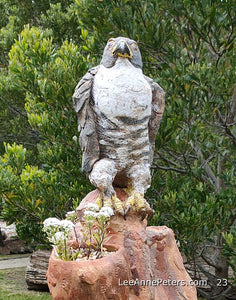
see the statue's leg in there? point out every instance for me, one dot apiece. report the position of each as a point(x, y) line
point(102, 176)
point(140, 178)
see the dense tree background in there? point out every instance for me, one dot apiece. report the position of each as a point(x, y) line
point(189, 48)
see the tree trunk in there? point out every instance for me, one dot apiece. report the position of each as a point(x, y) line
point(221, 270)
point(222, 266)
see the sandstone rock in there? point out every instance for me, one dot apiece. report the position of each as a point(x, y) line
point(146, 266)
point(36, 270)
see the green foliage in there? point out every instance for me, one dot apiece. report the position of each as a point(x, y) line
point(188, 47)
point(13, 17)
point(14, 158)
point(46, 76)
point(61, 19)
point(230, 248)
point(7, 36)
point(196, 215)
point(30, 194)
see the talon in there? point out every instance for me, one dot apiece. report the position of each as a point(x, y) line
point(126, 211)
point(107, 202)
point(117, 205)
point(143, 214)
point(150, 214)
point(114, 202)
point(138, 204)
point(99, 202)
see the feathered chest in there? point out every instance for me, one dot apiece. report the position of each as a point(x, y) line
point(121, 92)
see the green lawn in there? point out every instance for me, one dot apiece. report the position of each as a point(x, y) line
point(13, 286)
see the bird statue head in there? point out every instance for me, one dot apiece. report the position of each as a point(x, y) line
point(121, 47)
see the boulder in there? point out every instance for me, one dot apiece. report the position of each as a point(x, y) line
point(9, 241)
point(146, 265)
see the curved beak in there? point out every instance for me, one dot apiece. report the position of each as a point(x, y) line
point(122, 49)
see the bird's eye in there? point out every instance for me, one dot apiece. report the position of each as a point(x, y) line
point(134, 46)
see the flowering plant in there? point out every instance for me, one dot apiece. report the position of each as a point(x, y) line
point(96, 222)
point(92, 239)
point(58, 233)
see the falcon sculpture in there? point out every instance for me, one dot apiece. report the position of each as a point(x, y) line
point(119, 111)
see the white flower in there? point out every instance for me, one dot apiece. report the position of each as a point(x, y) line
point(106, 211)
point(74, 138)
point(66, 225)
point(58, 237)
point(90, 214)
point(54, 222)
point(70, 213)
point(92, 207)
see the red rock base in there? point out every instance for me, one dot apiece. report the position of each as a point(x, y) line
point(146, 266)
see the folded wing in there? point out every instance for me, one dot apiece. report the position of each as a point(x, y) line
point(158, 105)
point(83, 103)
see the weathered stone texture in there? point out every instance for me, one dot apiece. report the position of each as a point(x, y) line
point(9, 242)
point(145, 254)
point(36, 270)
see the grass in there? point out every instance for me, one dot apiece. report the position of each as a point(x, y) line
point(7, 256)
point(13, 286)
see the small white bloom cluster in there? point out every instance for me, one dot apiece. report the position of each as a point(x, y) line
point(58, 237)
point(67, 225)
point(54, 222)
point(90, 214)
point(57, 230)
point(70, 213)
point(92, 211)
point(106, 211)
point(92, 207)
